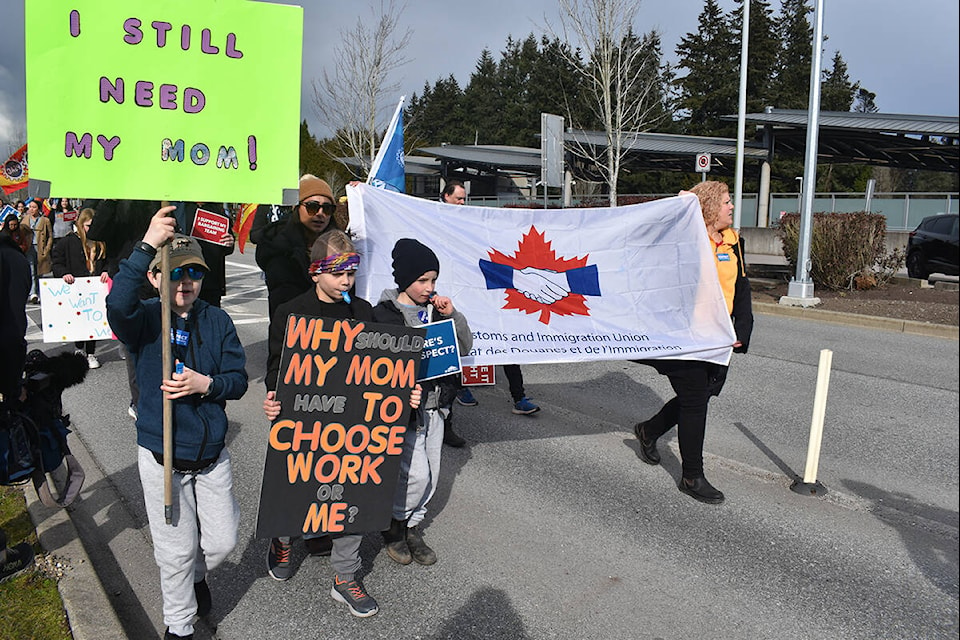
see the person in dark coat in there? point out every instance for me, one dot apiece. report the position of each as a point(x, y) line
point(14, 289)
point(283, 251)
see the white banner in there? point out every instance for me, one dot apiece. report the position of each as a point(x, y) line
point(559, 285)
point(74, 312)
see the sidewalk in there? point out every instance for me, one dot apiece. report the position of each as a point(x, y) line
point(92, 613)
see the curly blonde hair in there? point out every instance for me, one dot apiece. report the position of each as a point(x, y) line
point(712, 195)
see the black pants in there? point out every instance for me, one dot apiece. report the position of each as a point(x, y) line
point(89, 347)
point(515, 378)
point(694, 382)
point(12, 355)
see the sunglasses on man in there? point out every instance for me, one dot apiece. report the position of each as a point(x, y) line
point(313, 207)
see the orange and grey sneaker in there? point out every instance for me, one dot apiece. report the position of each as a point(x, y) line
point(278, 559)
point(352, 594)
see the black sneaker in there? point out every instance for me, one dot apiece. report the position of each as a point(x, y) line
point(167, 635)
point(15, 559)
point(278, 560)
point(352, 594)
point(204, 601)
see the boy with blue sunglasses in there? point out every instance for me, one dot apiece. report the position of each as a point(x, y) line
point(210, 370)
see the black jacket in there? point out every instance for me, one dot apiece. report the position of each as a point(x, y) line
point(742, 315)
point(284, 257)
point(307, 304)
point(69, 257)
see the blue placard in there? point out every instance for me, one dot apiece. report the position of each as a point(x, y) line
point(441, 355)
point(7, 211)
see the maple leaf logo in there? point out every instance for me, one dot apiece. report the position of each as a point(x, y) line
point(534, 251)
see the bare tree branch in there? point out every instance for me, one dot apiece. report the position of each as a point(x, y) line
point(351, 96)
point(621, 76)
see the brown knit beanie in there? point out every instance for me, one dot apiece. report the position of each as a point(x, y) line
point(314, 186)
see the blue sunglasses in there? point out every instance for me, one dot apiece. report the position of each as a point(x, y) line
point(195, 273)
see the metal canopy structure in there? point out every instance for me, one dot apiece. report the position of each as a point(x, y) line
point(670, 152)
point(891, 140)
point(880, 139)
point(463, 160)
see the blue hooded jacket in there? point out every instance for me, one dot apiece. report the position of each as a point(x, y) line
point(213, 348)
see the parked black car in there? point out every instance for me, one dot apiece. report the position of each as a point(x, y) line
point(934, 247)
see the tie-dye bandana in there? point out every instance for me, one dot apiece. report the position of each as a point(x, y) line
point(336, 263)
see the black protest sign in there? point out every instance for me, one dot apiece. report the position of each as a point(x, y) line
point(334, 451)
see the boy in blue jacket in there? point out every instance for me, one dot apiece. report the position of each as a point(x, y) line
point(205, 343)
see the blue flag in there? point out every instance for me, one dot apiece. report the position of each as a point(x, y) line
point(387, 171)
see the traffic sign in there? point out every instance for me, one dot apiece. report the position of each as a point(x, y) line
point(703, 162)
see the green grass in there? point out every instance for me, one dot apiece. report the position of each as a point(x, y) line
point(30, 605)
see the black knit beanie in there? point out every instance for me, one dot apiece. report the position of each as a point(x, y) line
point(412, 259)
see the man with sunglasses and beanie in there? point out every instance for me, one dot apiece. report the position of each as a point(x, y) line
point(283, 252)
point(209, 369)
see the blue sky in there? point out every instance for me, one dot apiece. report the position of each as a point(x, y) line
point(905, 52)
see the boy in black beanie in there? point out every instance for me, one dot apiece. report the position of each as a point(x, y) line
point(413, 303)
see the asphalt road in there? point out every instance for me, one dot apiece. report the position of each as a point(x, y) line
point(551, 527)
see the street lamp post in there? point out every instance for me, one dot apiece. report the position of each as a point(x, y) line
point(800, 289)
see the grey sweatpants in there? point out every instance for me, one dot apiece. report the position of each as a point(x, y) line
point(345, 556)
point(419, 468)
point(203, 532)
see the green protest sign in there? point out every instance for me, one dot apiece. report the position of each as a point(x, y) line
point(173, 100)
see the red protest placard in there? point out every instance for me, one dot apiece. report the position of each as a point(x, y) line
point(210, 226)
point(478, 375)
point(70, 216)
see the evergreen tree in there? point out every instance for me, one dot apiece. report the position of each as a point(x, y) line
point(318, 158)
point(555, 79)
point(836, 90)
point(762, 50)
point(482, 101)
point(437, 116)
point(711, 58)
point(519, 121)
point(791, 89)
point(865, 101)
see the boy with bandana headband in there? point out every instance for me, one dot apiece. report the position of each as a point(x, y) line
point(333, 267)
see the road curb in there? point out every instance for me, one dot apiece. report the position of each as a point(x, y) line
point(90, 614)
point(867, 322)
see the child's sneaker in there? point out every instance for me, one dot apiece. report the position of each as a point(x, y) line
point(14, 560)
point(465, 397)
point(524, 407)
point(92, 361)
point(352, 594)
point(278, 560)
